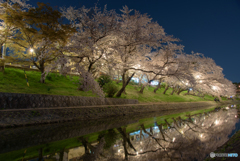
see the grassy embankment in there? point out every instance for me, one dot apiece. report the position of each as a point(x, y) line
point(57, 146)
point(14, 81)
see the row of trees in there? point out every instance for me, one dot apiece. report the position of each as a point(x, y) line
point(95, 40)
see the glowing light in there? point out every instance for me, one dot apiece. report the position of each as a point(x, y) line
point(137, 153)
point(173, 139)
point(31, 50)
point(140, 142)
point(200, 81)
point(214, 88)
point(201, 135)
point(236, 116)
point(141, 150)
point(202, 124)
point(119, 150)
point(198, 76)
point(216, 122)
point(186, 83)
point(227, 108)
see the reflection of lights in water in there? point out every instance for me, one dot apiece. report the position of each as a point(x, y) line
point(216, 122)
point(173, 139)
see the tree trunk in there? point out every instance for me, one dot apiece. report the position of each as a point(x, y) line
point(158, 86)
point(140, 81)
point(173, 90)
point(142, 88)
point(1, 50)
point(42, 72)
point(180, 91)
point(220, 99)
point(124, 86)
point(1, 62)
point(90, 66)
point(187, 92)
point(166, 88)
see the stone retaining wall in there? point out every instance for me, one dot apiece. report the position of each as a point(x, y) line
point(23, 101)
point(21, 117)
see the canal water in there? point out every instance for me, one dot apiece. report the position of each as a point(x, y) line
point(169, 135)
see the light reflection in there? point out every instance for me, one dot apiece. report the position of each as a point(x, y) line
point(200, 134)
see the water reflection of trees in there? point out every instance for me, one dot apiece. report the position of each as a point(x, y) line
point(175, 139)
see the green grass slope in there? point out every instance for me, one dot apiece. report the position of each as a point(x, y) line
point(14, 81)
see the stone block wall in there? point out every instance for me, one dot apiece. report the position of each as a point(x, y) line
point(24, 101)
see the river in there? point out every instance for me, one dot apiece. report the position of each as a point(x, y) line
point(187, 134)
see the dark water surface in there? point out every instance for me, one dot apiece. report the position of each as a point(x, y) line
point(168, 135)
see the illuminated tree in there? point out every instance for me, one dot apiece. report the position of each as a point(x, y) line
point(40, 31)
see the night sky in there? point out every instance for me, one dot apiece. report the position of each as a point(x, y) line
point(210, 27)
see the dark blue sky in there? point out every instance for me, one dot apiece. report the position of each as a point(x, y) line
point(211, 27)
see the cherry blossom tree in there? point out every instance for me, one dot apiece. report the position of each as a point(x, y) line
point(137, 36)
point(95, 30)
